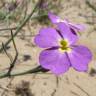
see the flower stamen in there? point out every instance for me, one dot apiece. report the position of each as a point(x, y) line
point(64, 46)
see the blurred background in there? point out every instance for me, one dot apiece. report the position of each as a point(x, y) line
point(13, 14)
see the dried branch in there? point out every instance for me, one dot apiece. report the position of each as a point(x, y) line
point(16, 56)
point(3, 29)
point(90, 5)
point(8, 55)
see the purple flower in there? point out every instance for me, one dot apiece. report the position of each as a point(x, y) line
point(74, 27)
point(60, 52)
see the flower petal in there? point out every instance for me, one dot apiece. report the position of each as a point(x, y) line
point(53, 18)
point(55, 61)
point(78, 27)
point(56, 19)
point(48, 37)
point(66, 33)
point(80, 57)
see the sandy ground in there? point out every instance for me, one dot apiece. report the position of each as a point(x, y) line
point(72, 83)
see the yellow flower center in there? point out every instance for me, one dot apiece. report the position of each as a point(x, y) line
point(64, 46)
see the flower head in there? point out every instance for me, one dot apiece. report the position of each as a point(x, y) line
point(60, 51)
point(74, 27)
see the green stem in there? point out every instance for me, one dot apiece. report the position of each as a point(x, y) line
point(20, 27)
point(35, 70)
